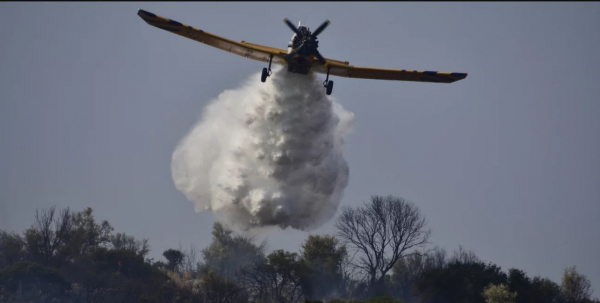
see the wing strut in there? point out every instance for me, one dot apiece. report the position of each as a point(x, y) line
point(328, 83)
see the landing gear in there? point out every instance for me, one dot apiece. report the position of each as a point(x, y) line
point(329, 87)
point(328, 83)
point(266, 72)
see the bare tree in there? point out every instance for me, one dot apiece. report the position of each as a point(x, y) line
point(464, 256)
point(383, 231)
point(191, 264)
point(48, 233)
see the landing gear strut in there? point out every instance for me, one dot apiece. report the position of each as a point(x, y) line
point(328, 83)
point(266, 72)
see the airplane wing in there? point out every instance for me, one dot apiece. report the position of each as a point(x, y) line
point(243, 48)
point(344, 69)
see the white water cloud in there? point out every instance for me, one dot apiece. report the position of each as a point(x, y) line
point(267, 154)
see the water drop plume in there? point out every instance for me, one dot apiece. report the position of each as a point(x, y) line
point(267, 154)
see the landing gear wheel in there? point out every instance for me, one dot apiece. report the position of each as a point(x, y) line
point(265, 74)
point(329, 87)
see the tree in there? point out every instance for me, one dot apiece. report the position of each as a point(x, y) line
point(30, 282)
point(519, 283)
point(174, 257)
point(12, 247)
point(85, 234)
point(277, 278)
point(190, 265)
point(125, 242)
point(228, 254)
point(218, 290)
point(383, 231)
point(322, 259)
point(462, 279)
point(464, 256)
point(47, 234)
point(498, 294)
point(575, 287)
point(64, 236)
point(120, 276)
point(70, 257)
point(409, 270)
point(544, 290)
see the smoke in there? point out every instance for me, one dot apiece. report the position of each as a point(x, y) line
point(267, 154)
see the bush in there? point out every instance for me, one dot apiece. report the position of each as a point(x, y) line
point(34, 282)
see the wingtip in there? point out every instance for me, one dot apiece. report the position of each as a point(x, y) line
point(460, 75)
point(142, 12)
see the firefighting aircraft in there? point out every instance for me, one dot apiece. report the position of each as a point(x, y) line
point(301, 56)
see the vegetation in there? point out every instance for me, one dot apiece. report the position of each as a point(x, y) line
point(379, 255)
point(499, 294)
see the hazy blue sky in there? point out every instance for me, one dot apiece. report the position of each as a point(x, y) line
point(93, 101)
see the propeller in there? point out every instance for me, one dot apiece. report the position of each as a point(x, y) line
point(321, 59)
point(312, 37)
point(320, 29)
point(292, 26)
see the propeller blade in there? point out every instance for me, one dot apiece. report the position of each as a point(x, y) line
point(321, 59)
point(320, 29)
point(296, 50)
point(292, 26)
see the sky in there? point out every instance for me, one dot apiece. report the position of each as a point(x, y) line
point(506, 162)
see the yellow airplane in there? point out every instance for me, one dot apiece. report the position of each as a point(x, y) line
point(301, 56)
